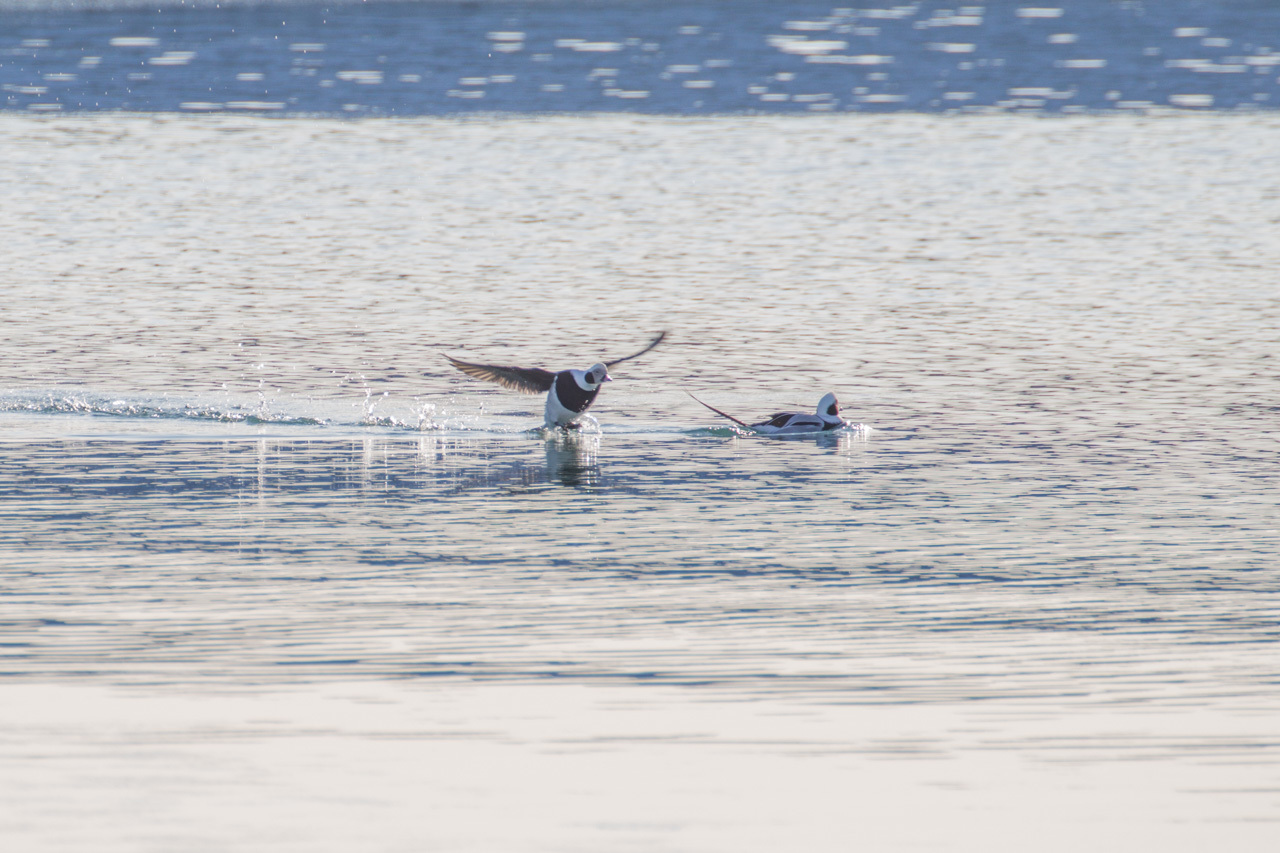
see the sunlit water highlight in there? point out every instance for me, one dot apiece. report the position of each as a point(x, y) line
point(274, 574)
point(711, 56)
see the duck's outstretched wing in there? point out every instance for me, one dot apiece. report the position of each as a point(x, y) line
point(720, 413)
point(651, 345)
point(526, 380)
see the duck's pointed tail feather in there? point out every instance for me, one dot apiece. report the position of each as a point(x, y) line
point(720, 413)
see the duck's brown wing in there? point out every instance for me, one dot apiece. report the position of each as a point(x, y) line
point(526, 380)
point(651, 345)
point(720, 413)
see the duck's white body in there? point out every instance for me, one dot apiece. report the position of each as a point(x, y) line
point(825, 418)
point(572, 392)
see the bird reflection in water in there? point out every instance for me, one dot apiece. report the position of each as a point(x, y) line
point(573, 459)
point(852, 439)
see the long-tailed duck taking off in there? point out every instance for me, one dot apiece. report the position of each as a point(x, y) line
point(569, 392)
point(827, 417)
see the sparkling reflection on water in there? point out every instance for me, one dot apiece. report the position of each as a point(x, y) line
point(743, 56)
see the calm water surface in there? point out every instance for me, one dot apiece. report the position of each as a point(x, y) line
point(275, 577)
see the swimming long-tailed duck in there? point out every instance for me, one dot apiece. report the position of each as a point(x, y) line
point(569, 392)
point(827, 417)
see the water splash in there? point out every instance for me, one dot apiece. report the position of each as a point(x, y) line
point(92, 405)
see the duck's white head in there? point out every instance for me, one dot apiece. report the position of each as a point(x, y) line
point(829, 409)
point(593, 377)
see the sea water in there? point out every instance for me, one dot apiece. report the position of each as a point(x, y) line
point(708, 56)
point(275, 576)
